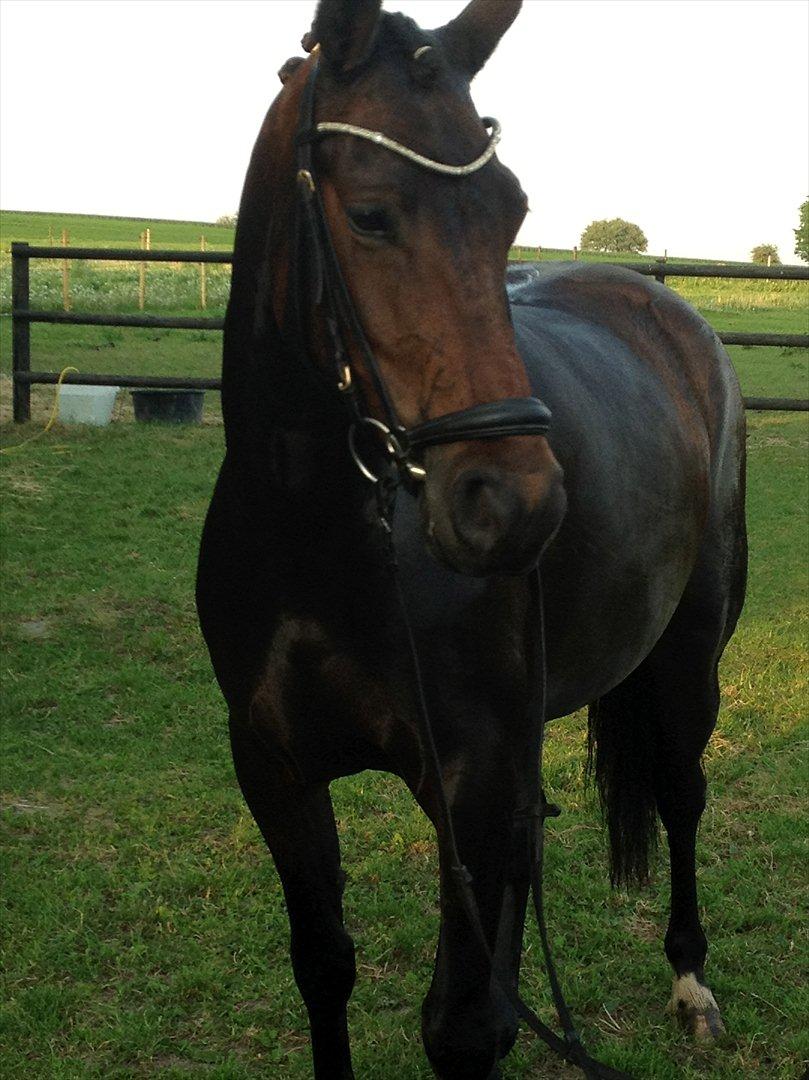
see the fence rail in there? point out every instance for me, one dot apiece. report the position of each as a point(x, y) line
point(160, 322)
point(122, 254)
point(22, 315)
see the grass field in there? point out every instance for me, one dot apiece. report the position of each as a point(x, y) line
point(146, 935)
point(85, 230)
point(145, 928)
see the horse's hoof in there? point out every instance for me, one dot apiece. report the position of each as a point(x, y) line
point(696, 1010)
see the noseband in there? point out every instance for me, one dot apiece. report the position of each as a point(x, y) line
point(326, 285)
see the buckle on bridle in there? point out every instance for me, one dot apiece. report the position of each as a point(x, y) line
point(305, 177)
point(391, 445)
point(344, 382)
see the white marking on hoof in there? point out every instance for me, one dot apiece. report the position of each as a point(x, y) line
point(688, 992)
point(695, 1007)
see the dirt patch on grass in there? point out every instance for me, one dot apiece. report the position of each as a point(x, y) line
point(31, 806)
point(34, 629)
point(644, 924)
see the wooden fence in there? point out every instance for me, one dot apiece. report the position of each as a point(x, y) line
point(22, 315)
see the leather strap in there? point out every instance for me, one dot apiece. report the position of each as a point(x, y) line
point(494, 420)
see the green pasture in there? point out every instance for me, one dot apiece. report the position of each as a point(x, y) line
point(145, 929)
point(85, 230)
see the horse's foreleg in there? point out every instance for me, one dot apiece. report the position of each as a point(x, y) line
point(508, 951)
point(297, 822)
point(461, 1023)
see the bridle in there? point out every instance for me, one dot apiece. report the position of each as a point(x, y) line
point(316, 259)
point(316, 256)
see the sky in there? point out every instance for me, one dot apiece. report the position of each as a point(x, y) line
point(688, 117)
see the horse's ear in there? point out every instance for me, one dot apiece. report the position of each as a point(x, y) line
point(345, 31)
point(471, 38)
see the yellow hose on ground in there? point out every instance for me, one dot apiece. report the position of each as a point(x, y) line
point(51, 418)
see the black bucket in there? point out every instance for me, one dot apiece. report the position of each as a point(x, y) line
point(168, 406)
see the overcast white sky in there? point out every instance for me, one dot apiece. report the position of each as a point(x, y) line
point(688, 117)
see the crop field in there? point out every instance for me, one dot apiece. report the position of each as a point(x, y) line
point(145, 928)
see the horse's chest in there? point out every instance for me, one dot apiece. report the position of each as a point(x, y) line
point(318, 702)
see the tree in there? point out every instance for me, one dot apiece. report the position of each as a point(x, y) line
point(613, 235)
point(765, 253)
point(802, 232)
point(229, 220)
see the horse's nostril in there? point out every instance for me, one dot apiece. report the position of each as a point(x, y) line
point(484, 508)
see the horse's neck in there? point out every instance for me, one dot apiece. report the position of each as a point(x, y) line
point(294, 445)
point(284, 424)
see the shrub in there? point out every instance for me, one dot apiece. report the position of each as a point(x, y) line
point(766, 254)
point(802, 232)
point(613, 235)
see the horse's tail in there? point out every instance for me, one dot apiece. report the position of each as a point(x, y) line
point(621, 758)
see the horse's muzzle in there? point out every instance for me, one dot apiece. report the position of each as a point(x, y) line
point(492, 521)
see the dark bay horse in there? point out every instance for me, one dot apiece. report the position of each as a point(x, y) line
point(633, 497)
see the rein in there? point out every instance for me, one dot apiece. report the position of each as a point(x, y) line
point(401, 445)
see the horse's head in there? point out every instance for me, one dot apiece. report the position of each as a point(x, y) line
point(423, 255)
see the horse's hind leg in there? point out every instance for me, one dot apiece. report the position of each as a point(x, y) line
point(649, 734)
point(680, 739)
point(297, 822)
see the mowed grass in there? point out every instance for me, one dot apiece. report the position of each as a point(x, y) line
point(146, 932)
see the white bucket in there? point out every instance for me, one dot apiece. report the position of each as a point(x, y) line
point(86, 404)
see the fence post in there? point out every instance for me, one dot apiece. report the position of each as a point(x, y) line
point(65, 273)
point(20, 330)
point(142, 275)
point(203, 281)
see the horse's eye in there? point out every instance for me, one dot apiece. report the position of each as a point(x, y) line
point(370, 221)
